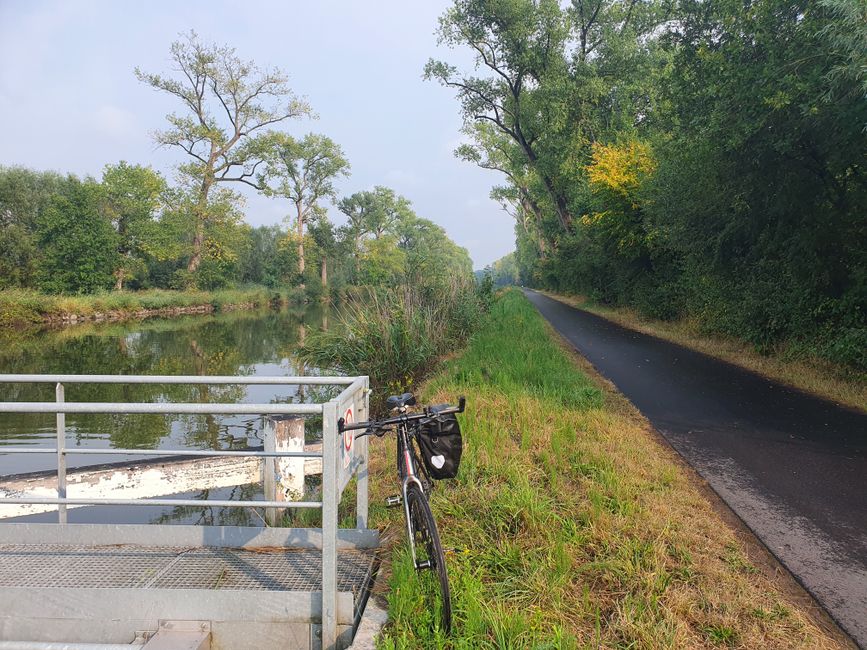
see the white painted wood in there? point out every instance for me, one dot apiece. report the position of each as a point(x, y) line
point(284, 477)
point(145, 481)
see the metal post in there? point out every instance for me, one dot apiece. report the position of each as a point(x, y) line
point(329, 525)
point(361, 499)
point(61, 454)
point(269, 477)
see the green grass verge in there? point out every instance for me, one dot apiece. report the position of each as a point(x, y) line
point(20, 306)
point(570, 525)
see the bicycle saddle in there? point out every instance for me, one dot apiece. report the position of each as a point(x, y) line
point(396, 401)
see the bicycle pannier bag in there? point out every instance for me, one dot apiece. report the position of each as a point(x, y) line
point(441, 445)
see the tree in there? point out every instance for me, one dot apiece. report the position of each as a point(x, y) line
point(79, 244)
point(304, 172)
point(492, 150)
point(24, 196)
point(374, 212)
point(432, 259)
point(132, 195)
point(228, 102)
point(327, 244)
point(520, 45)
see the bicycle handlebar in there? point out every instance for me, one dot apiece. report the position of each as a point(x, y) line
point(378, 424)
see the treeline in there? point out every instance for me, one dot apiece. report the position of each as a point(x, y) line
point(689, 159)
point(131, 229)
point(63, 234)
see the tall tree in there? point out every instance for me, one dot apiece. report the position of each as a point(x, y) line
point(374, 212)
point(520, 47)
point(227, 103)
point(131, 198)
point(304, 171)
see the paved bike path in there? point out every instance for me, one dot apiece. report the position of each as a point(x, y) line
point(792, 466)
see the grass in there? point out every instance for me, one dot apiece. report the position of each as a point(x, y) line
point(21, 307)
point(798, 369)
point(570, 525)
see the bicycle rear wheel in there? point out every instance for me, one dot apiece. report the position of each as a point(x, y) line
point(429, 552)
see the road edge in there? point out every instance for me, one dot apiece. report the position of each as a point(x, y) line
point(757, 552)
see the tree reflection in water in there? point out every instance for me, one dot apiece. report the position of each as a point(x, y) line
point(241, 343)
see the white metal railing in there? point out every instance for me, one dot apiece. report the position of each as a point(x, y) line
point(339, 460)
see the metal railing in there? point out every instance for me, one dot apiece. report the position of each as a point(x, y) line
point(335, 474)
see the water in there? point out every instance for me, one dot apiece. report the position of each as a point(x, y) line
point(243, 343)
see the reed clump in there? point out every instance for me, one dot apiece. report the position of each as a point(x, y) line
point(396, 335)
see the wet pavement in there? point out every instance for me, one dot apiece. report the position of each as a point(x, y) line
point(792, 466)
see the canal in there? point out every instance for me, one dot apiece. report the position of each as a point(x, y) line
point(245, 343)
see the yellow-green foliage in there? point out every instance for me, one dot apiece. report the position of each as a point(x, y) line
point(620, 168)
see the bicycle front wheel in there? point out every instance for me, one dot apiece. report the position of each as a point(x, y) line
point(430, 557)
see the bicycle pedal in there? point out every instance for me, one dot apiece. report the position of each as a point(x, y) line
point(424, 564)
point(394, 501)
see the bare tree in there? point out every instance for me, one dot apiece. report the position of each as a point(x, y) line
point(227, 104)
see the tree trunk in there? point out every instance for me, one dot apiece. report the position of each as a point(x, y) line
point(118, 283)
point(324, 272)
point(298, 207)
point(200, 212)
point(557, 198)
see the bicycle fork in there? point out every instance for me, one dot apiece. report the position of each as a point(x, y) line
point(409, 529)
point(410, 478)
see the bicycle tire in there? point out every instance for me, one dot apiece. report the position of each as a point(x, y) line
point(429, 547)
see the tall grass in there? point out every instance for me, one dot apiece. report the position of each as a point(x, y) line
point(569, 525)
point(395, 336)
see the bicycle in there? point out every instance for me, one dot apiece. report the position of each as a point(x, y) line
point(416, 484)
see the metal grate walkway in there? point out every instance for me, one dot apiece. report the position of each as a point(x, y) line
point(147, 567)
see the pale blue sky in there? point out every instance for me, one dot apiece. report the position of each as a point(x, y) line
point(69, 100)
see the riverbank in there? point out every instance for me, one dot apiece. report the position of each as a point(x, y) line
point(808, 373)
point(23, 307)
point(571, 523)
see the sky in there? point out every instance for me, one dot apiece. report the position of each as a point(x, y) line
point(70, 102)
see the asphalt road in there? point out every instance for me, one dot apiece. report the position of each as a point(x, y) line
point(792, 466)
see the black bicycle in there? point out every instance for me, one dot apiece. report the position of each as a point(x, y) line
point(428, 447)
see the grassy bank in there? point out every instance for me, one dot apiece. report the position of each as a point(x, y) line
point(21, 307)
point(787, 365)
point(571, 525)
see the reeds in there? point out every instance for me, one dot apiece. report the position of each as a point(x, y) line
point(396, 335)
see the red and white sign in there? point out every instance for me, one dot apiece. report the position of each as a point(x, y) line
point(348, 438)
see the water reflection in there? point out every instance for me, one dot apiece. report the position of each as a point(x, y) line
point(243, 343)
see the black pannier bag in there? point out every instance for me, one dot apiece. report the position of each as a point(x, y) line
point(441, 444)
